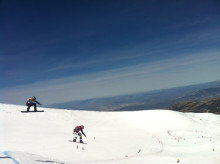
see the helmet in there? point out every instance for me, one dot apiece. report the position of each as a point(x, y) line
point(34, 98)
point(82, 126)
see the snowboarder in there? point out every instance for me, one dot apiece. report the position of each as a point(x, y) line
point(32, 102)
point(78, 131)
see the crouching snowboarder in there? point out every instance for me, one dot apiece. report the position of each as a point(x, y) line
point(32, 102)
point(78, 131)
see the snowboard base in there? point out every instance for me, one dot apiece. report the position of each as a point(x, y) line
point(77, 142)
point(32, 111)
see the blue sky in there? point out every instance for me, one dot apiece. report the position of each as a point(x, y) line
point(73, 50)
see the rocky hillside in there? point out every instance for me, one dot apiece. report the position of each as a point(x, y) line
point(210, 105)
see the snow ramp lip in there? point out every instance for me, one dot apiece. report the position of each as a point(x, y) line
point(18, 157)
point(8, 155)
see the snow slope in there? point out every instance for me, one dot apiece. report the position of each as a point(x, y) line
point(152, 136)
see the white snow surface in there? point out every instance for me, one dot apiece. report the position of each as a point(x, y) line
point(143, 137)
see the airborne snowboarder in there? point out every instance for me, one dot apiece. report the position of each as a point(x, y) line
point(78, 131)
point(32, 102)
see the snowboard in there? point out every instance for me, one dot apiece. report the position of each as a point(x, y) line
point(77, 142)
point(32, 111)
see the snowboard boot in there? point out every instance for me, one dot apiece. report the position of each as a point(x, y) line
point(81, 141)
point(74, 140)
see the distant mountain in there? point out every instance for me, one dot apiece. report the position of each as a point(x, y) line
point(158, 99)
point(210, 105)
point(171, 98)
point(203, 94)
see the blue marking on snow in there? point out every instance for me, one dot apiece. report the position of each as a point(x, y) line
point(12, 158)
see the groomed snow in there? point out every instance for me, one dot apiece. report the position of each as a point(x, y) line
point(151, 136)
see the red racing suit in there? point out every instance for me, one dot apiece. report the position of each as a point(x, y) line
point(79, 129)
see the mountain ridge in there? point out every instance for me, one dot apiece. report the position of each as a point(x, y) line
point(204, 106)
point(158, 99)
